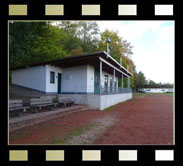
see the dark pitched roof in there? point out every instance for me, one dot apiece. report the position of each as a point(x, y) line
point(58, 60)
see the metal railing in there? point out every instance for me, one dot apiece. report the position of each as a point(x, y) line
point(96, 90)
point(115, 90)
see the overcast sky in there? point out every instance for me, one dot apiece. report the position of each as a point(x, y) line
point(153, 43)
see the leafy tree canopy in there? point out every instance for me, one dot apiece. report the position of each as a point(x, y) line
point(139, 80)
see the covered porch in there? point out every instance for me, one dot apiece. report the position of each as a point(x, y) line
point(105, 84)
point(105, 90)
point(102, 74)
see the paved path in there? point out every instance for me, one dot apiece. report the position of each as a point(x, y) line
point(142, 120)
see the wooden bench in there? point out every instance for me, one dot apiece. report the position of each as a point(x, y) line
point(41, 102)
point(65, 101)
point(16, 106)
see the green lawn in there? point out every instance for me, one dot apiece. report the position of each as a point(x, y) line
point(75, 132)
point(114, 106)
point(170, 94)
point(142, 94)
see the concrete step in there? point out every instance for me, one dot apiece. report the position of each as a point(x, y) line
point(32, 119)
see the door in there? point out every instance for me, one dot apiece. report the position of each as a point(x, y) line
point(59, 82)
point(96, 81)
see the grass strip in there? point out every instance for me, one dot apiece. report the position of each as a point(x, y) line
point(116, 105)
point(75, 132)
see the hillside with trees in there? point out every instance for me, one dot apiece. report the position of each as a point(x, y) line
point(34, 42)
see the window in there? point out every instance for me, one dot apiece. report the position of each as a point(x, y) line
point(105, 80)
point(110, 82)
point(115, 83)
point(52, 77)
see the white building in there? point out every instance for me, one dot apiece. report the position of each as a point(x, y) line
point(90, 79)
point(157, 90)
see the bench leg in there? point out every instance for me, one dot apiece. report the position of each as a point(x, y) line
point(19, 113)
point(34, 110)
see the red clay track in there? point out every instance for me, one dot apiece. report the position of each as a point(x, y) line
point(148, 120)
point(142, 120)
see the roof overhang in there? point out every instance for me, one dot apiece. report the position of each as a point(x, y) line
point(92, 59)
point(128, 72)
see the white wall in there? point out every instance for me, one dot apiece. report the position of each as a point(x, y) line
point(33, 77)
point(81, 79)
point(52, 87)
point(74, 79)
point(90, 79)
point(97, 101)
point(109, 100)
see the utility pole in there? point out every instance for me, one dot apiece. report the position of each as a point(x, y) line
point(108, 41)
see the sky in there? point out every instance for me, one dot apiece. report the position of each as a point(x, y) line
point(153, 41)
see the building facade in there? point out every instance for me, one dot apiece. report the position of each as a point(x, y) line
point(94, 74)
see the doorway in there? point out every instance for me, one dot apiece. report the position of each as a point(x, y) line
point(59, 82)
point(106, 83)
point(96, 81)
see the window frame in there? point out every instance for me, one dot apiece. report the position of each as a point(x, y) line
point(106, 80)
point(52, 81)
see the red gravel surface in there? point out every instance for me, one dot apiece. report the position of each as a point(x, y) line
point(142, 120)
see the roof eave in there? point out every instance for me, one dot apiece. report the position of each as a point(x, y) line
point(117, 63)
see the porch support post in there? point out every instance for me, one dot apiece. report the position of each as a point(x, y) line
point(121, 80)
point(128, 82)
point(113, 80)
point(128, 77)
point(100, 82)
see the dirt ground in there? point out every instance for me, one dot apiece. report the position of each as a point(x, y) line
point(146, 119)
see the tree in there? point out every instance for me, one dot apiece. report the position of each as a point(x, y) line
point(71, 41)
point(21, 37)
point(88, 32)
point(127, 48)
point(139, 80)
point(118, 47)
point(82, 37)
point(151, 82)
point(77, 51)
point(33, 42)
point(50, 44)
point(115, 45)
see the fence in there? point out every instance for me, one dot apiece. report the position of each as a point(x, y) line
point(115, 90)
point(96, 90)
